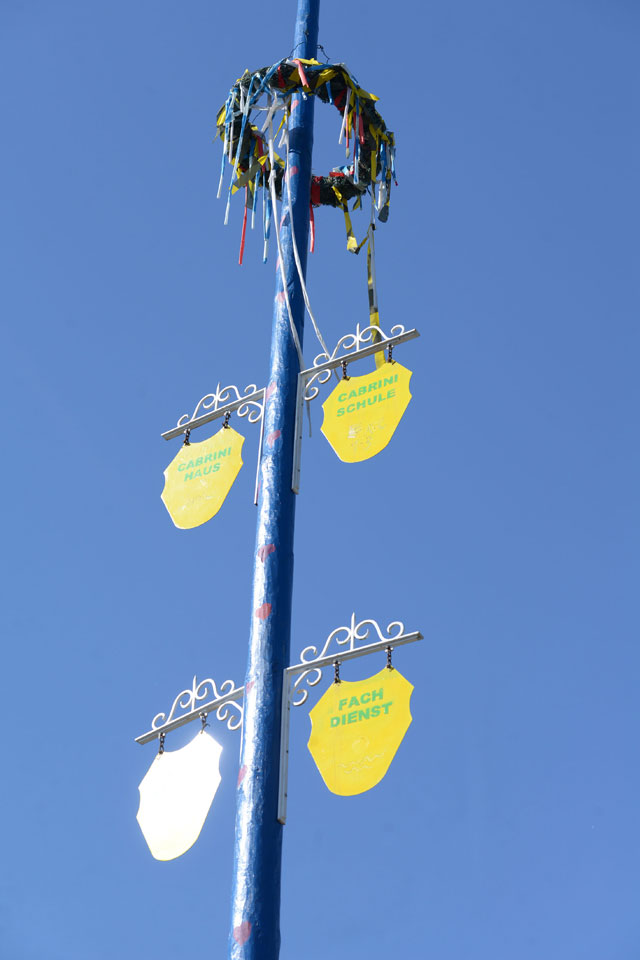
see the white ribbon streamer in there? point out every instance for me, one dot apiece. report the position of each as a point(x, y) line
point(297, 256)
point(272, 188)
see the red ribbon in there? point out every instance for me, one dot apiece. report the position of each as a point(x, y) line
point(244, 225)
point(312, 229)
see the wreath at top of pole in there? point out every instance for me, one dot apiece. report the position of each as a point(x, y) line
point(370, 147)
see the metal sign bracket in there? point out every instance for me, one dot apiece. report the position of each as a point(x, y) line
point(217, 699)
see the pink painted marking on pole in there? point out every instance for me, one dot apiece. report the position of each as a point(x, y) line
point(295, 104)
point(242, 772)
point(249, 686)
point(242, 932)
point(263, 611)
point(271, 439)
point(291, 172)
point(271, 389)
point(264, 552)
point(280, 296)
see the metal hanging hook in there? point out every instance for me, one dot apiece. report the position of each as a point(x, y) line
point(203, 717)
point(227, 417)
point(344, 370)
point(389, 664)
point(390, 357)
point(161, 747)
point(187, 442)
point(336, 671)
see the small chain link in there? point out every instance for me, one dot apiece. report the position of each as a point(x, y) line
point(187, 442)
point(227, 417)
point(161, 747)
point(389, 664)
point(336, 671)
point(344, 370)
point(390, 360)
point(203, 717)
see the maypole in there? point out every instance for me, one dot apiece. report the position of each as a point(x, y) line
point(357, 727)
point(255, 925)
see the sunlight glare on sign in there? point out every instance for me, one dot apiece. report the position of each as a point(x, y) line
point(176, 794)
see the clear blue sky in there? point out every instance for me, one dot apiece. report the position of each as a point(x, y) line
point(502, 520)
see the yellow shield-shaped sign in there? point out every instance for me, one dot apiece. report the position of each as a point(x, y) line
point(199, 477)
point(362, 413)
point(176, 794)
point(356, 729)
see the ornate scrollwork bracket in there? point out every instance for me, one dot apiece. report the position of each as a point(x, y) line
point(224, 700)
point(339, 643)
point(213, 405)
point(353, 346)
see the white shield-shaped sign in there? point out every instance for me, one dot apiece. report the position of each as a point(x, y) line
point(176, 794)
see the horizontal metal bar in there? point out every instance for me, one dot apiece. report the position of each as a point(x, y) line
point(352, 654)
point(209, 707)
point(360, 354)
point(213, 414)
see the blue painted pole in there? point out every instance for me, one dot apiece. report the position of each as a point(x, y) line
point(255, 924)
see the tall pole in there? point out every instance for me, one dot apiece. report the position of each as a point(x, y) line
point(255, 925)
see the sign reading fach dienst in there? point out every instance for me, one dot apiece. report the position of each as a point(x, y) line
point(362, 413)
point(200, 476)
point(356, 729)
